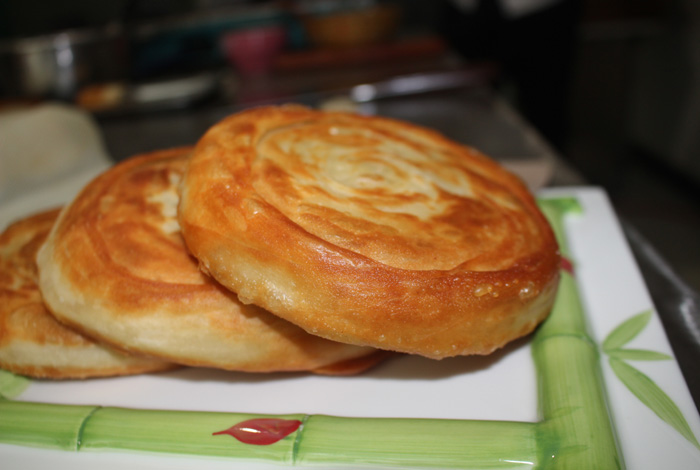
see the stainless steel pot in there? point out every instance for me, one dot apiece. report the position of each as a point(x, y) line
point(58, 65)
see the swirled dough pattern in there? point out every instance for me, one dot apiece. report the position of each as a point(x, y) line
point(369, 230)
point(32, 341)
point(115, 266)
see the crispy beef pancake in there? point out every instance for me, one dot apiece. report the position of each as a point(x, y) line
point(115, 267)
point(368, 230)
point(32, 342)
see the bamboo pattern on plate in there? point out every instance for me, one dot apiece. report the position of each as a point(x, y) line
point(575, 430)
point(636, 381)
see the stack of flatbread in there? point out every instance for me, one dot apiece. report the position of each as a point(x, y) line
point(287, 239)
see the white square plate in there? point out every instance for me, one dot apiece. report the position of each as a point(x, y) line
point(498, 387)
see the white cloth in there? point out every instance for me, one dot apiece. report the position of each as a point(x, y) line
point(47, 153)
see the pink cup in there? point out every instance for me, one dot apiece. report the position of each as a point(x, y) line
point(253, 51)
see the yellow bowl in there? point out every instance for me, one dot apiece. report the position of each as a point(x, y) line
point(353, 28)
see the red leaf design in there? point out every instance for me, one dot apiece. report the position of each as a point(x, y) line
point(262, 431)
point(567, 265)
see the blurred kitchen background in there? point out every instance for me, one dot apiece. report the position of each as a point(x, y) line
point(611, 87)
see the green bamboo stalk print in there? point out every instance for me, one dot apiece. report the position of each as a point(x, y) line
point(571, 392)
point(403, 442)
point(12, 385)
point(575, 431)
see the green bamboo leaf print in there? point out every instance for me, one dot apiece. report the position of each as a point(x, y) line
point(626, 331)
point(12, 385)
point(653, 397)
point(638, 355)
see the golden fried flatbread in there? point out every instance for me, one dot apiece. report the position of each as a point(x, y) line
point(369, 231)
point(32, 342)
point(116, 267)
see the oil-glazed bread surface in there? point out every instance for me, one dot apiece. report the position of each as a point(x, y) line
point(32, 341)
point(369, 231)
point(116, 268)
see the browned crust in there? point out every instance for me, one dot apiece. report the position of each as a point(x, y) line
point(356, 365)
point(258, 231)
point(32, 341)
point(116, 268)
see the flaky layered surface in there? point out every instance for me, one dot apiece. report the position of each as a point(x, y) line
point(115, 267)
point(369, 231)
point(32, 342)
